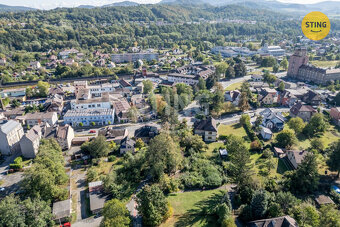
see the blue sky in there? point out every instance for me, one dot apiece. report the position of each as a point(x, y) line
point(49, 4)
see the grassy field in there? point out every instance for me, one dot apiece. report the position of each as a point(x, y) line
point(234, 86)
point(236, 129)
point(211, 148)
point(189, 208)
point(324, 63)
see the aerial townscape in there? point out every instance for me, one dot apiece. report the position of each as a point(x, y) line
point(172, 114)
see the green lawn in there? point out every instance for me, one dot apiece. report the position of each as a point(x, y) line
point(211, 148)
point(236, 129)
point(324, 63)
point(189, 208)
point(234, 86)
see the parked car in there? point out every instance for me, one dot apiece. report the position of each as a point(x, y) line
point(92, 131)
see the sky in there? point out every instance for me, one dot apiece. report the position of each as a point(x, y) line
point(50, 4)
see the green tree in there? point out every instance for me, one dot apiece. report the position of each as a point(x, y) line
point(115, 214)
point(201, 84)
point(281, 86)
point(153, 205)
point(276, 68)
point(316, 125)
point(286, 138)
point(258, 122)
point(230, 73)
point(148, 86)
point(139, 143)
point(306, 178)
point(306, 215)
point(133, 114)
point(333, 160)
point(284, 64)
point(42, 88)
point(296, 124)
point(47, 175)
point(243, 103)
point(11, 212)
point(329, 216)
point(221, 68)
point(163, 155)
point(91, 174)
point(286, 200)
point(240, 70)
point(97, 148)
point(317, 144)
point(218, 98)
point(240, 162)
point(259, 204)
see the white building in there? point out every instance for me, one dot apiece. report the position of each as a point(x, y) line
point(232, 51)
point(39, 117)
point(182, 78)
point(132, 57)
point(275, 51)
point(30, 142)
point(84, 102)
point(98, 90)
point(87, 116)
point(10, 134)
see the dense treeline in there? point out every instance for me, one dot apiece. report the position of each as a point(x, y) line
point(121, 27)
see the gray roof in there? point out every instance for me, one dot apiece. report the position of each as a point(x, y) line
point(89, 112)
point(285, 221)
point(61, 209)
point(9, 126)
point(34, 133)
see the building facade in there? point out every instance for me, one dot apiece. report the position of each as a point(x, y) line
point(87, 116)
point(39, 117)
point(11, 133)
point(30, 142)
point(132, 57)
point(300, 69)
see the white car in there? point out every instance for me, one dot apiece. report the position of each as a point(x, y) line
point(2, 189)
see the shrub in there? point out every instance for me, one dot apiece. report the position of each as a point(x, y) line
point(112, 158)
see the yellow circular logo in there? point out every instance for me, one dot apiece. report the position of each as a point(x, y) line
point(315, 25)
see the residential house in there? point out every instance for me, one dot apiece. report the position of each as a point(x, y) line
point(312, 98)
point(125, 84)
point(295, 157)
point(256, 78)
point(54, 104)
point(138, 101)
point(13, 93)
point(97, 196)
point(11, 133)
point(12, 114)
point(268, 96)
point(30, 142)
point(62, 211)
point(35, 65)
point(284, 221)
point(62, 134)
point(303, 111)
point(286, 98)
point(272, 120)
point(56, 91)
point(81, 84)
point(322, 200)
point(87, 116)
point(127, 145)
point(207, 129)
point(65, 54)
point(122, 108)
point(114, 134)
point(146, 133)
point(266, 133)
point(335, 115)
point(233, 97)
point(39, 117)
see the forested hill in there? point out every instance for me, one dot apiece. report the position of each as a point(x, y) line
point(170, 13)
point(154, 26)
